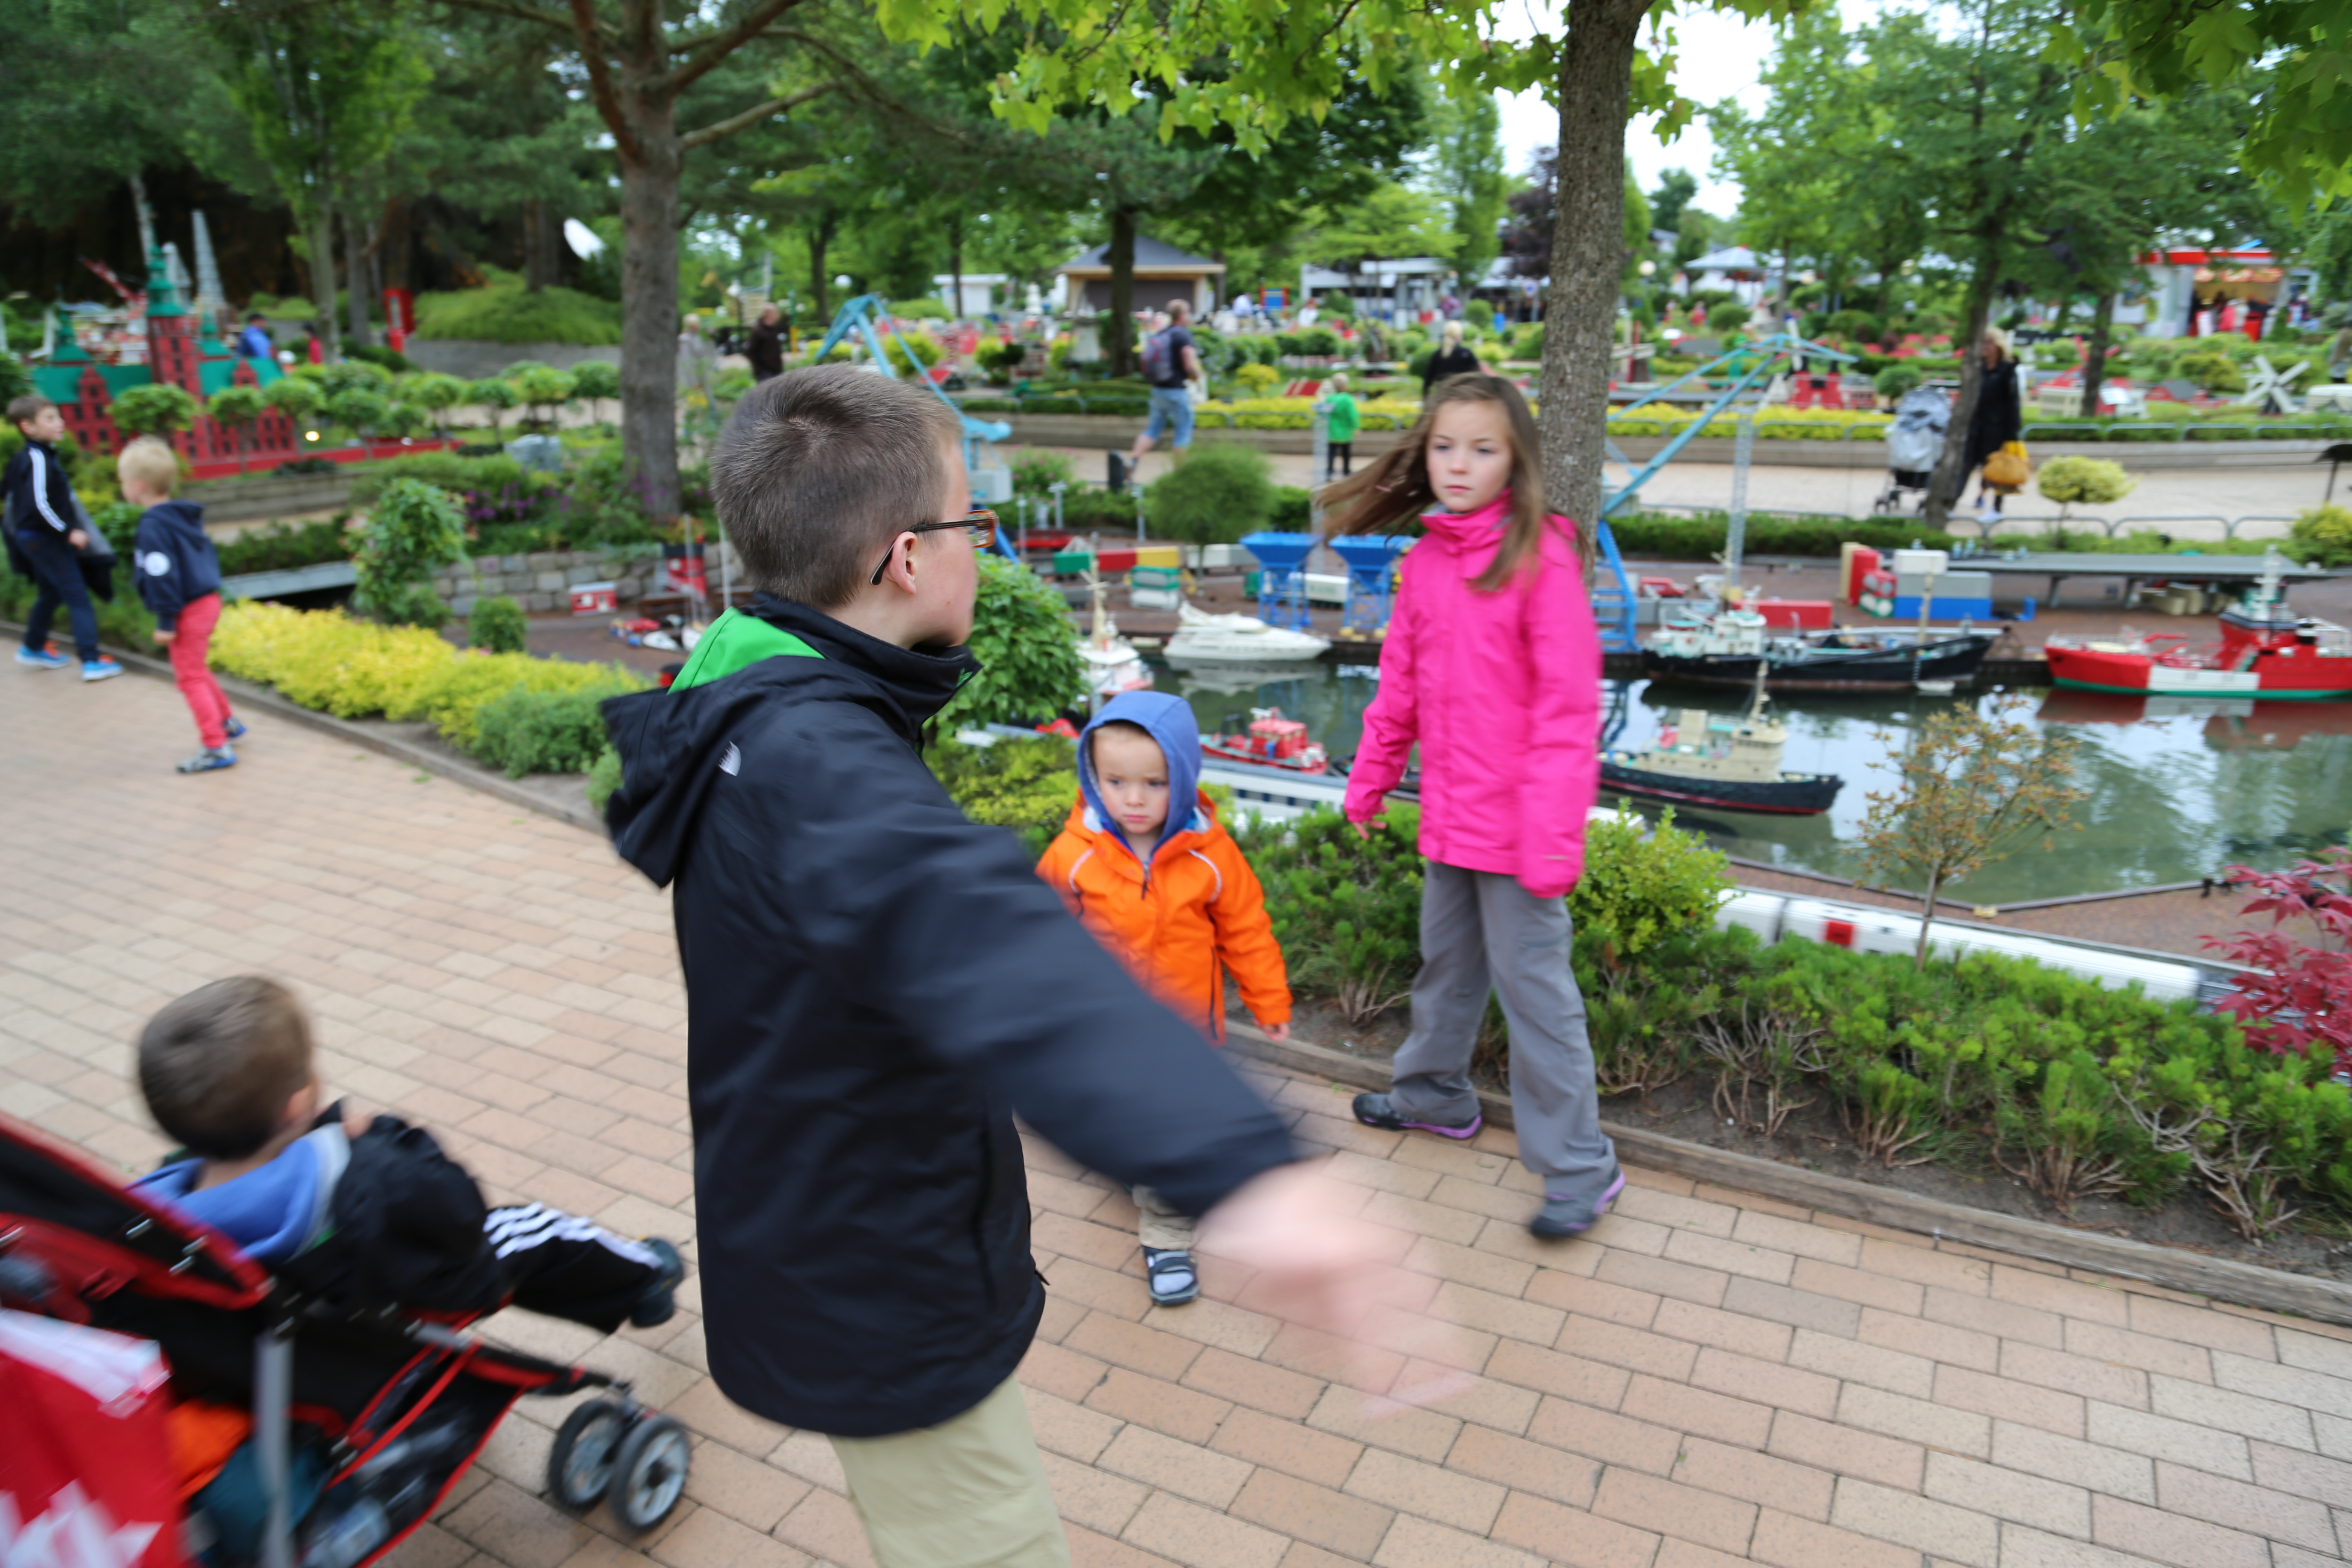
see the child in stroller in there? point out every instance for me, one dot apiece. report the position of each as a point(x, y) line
point(319, 1416)
point(1914, 441)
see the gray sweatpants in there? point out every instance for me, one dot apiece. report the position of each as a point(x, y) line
point(1481, 927)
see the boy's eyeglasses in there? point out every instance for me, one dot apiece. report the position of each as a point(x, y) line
point(979, 520)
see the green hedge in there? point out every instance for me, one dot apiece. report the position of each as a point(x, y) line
point(504, 311)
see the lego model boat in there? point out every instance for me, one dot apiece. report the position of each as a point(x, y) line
point(2265, 651)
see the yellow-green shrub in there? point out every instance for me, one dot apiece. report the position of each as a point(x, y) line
point(325, 659)
point(353, 668)
point(453, 698)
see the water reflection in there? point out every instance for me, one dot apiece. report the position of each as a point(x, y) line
point(2179, 786)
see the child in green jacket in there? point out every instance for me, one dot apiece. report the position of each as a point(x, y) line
point(1344, 420)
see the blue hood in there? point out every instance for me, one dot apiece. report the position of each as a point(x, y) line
point(1169, 721)
point(272, 1213)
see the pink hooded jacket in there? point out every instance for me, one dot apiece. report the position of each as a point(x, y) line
point(1502, 690)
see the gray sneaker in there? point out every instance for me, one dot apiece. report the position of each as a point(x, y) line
point(1573, 1216)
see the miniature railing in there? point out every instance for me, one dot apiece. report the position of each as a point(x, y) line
point(2229, 525)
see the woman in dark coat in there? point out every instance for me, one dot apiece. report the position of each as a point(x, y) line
point(1451, 358)
point(2000, 417)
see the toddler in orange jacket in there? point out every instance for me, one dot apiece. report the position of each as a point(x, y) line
point(1168, 892)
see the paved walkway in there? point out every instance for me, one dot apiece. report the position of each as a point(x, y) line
point(1711, 1379)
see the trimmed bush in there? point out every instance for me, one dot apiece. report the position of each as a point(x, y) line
point(415, 531)
point(1029, 668)
point(1026, 785)
point(604, 778)
point(524, 732)
point(2322, 537)
point(283, 545)
point(504, 311)
point(498, 625)
point(1218, 493)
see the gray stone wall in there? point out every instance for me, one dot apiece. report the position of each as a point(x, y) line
point(542, 581)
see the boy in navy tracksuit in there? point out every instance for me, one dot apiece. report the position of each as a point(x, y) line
point(178, 573)
point(46, 536)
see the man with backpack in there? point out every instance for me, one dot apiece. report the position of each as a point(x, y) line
point(1171, 364)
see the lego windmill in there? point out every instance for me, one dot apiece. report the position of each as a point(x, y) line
point(2269, 388)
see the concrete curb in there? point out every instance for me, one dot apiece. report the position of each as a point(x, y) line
point(2223, 1279)
point(262, 698)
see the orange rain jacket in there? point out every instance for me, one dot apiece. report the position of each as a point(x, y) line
point(1198, 914)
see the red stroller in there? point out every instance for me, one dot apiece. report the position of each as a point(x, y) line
point(387, 1410)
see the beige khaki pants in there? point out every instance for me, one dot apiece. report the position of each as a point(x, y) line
point(967, 1493)
point(1161, 1226)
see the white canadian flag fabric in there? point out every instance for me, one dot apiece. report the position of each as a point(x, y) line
point(86, 1475)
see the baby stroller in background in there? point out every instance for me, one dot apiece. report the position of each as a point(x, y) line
point(377, 1415)
point(1914, 442)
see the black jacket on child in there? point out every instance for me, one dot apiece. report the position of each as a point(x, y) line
point(172, 561)
point(875, 985)
point(39, 510)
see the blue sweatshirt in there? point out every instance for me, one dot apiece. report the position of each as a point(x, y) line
point(173, 561)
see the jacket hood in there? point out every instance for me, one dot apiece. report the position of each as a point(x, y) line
point(272, 1213)
point(178, 513)
point(1169, 721)
point(672, 744)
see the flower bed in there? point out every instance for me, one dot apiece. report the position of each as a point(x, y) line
point(519, 713)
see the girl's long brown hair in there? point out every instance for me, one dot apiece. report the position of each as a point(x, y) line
point(1395, 489)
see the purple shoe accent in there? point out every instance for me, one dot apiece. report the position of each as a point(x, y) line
point(1563, 1216)
point(1444, 1132)
point(1600, 1204)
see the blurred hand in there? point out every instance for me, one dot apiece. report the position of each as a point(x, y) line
point(162, 636)
point(79, 539)
point(1364, 829)
point(1278, 1033)
point(1323, 1267)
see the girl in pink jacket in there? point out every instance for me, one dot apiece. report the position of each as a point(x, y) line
point(1493, 664)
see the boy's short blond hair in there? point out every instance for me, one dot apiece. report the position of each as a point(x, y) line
point(152, 463)
point(1339, 382)
point(218, 1065)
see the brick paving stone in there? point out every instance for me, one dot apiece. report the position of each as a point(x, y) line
point(1708, 1377)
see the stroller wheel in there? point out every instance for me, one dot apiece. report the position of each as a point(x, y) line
point(650, 1473)
point(580, 1467)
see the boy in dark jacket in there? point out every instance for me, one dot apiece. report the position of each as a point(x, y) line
point(46, 536)
point(875, 985)
point(178, 573)
point(355, 1213)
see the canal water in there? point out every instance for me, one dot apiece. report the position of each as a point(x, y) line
point(2179, 787)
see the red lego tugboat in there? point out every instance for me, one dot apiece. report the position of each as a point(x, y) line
point(2265, 651)
point(1272, 742)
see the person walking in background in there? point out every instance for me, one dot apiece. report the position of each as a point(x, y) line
point(1999, 418)
point(1171, 363)
point(1341, 422)
point(1492, 666)
point(47, 533)
point(1146, 866)
point(179, 575)
point(253, 343)
point(1452, 358)
point(765, 346)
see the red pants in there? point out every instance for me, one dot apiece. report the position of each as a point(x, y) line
point(189, 643)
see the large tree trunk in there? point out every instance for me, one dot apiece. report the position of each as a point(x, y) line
point(355, 279)
point(955, 266)
point(1119, 335)
point(391, 254)
point(1951, 475)
point(1588, 248)
point(2094, 362)
point(321, 238)
point(821, 241)
point(650, 302)
point(543, 239)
